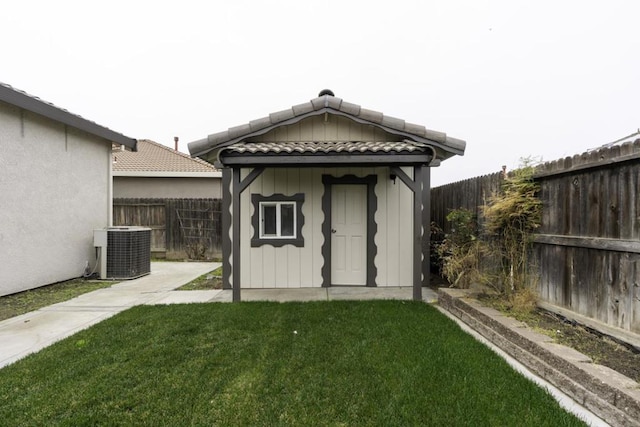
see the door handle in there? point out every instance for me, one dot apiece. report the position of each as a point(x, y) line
point(333, 231)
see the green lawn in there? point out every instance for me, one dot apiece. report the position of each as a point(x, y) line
point(323, 363)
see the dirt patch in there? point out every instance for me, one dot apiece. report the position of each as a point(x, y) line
point(602, 349)
point(211, 280)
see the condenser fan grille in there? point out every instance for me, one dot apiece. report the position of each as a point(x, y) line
point(128, 252)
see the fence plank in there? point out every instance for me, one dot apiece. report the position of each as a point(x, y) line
point(163, 217)
point(601, 243)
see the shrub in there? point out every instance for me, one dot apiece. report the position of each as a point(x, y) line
point(496, 254)
point(460, 252)
point(511, 217)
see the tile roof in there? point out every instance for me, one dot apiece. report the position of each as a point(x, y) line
point(32, 103)
point(154, 157)
point(326, 147)
point(327, 103)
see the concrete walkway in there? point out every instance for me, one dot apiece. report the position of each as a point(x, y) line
point(31, 332)
point(296, 294)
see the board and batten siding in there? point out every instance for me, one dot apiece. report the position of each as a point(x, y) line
point(394, 238)
point(292, 267)
point(335, 128)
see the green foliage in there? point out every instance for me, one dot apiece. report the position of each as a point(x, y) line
point(496, 254)
point(319, 363)
point(459, 251)
point(463, 227)
point(511, 217)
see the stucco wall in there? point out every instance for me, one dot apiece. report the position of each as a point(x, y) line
point(288, 266)
point(166, 188)
point(54, 186)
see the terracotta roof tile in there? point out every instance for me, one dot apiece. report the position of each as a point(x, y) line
point(239, 130)
point(260, 123)
point(326, 147)
point(415, 129)
point(280, 116)
point(302, 108)
point(393, 122)
point(349, 108)
point(371, 116)
point(154, 157)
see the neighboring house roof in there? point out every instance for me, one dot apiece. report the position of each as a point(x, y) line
point(157, 160)
point(326, 102)
point(36, 105)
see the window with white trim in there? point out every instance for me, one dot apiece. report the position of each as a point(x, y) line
point(277, 220)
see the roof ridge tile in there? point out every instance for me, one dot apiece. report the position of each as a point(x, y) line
point(301, 109)
point(349, 108)
point(371, 115)
point(327, 103)
point(281, 116)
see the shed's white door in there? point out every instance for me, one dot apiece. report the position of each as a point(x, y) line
point(349, 234)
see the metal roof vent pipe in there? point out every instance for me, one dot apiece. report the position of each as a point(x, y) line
point(175, 140)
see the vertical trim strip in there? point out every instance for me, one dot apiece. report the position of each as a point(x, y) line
point(372, 230)
point(426, 224)
point(326, 232)
point(109, 188)
point(226, 228)
point(235, 240)
point(417, 233)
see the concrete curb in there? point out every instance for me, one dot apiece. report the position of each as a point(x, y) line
point(608, 394)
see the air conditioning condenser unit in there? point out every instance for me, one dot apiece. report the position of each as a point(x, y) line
point(125, 252)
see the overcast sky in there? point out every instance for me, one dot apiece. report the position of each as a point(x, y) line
point(513, 78)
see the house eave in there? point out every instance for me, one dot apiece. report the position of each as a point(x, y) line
point(37, 106)
point(162, 174)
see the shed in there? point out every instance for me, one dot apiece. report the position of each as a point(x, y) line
point(326, 193)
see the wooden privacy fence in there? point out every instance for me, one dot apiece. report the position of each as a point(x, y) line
point(587, 250)
point(588, 247)
point(181, 228)
point(469, 194)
